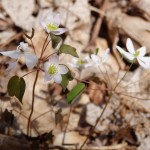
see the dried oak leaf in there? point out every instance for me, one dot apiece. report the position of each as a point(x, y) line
point(127, 134)
point(96, 91)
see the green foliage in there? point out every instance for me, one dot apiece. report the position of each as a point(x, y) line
point(90, 53)
point(16, 87)
point(65, 79)
point(32, 34)
point(75, 92)
point(67, 49)
point(55, 40)
point(96, 51)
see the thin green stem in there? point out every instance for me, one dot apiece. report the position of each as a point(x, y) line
point(99, 118)
point(32, 105)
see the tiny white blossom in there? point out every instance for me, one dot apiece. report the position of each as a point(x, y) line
point(51, 24)
point(21, 51)
point(54, 70)
point(135, 54)
point(100, 60)
point(81, 62)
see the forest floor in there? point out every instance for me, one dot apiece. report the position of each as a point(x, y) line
point(91, 24)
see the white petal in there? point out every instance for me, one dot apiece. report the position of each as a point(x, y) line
point(106, 55)
point(12, 54)
point(50, 17)
point(57, 19)
point(54, 59)
point(47, 30)
point(87, 58)
point(73, 65)
point(58, 78)
point(130, 46)
point(43, 23)
point(145, 59)
point(24, 46)
point(62, 69)
point(47, 77)
point(144, 65)
point(31, 60)
point(126, 54)
point(59, 31)
point(75, 60)
point(46, 66)
point(95, 59)
point(142, 51)
point(87, 65)
point(11, 66)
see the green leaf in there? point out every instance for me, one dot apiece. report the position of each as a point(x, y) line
point(32, 34)
point(90, 53)
point(67, 49)
point(75, 92)
point(96, 51)
point(65, 79)
point(16, 87)
point(55, 40)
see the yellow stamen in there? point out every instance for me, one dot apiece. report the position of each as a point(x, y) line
point(136, 53)
point(52, 27)
point(52, 70)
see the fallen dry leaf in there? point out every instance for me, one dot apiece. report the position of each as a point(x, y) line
point(72, 139)
point(20, 12)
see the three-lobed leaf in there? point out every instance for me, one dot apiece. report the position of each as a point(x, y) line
point(55, 40)
point(65, 79)
point(75, 92)
point(67, 49)
point(16, 87)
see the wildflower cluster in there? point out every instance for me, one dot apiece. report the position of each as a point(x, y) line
point(52, 68)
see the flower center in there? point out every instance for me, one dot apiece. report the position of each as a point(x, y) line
point(136, 53)
point(52, 26)
point(81, 62)
point(52, 70)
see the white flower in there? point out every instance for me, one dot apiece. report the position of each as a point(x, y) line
point(51, 24)
point(138, 54)
point(100, 60)
point(54, 70)
point(21, 51)
point(81, 63)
